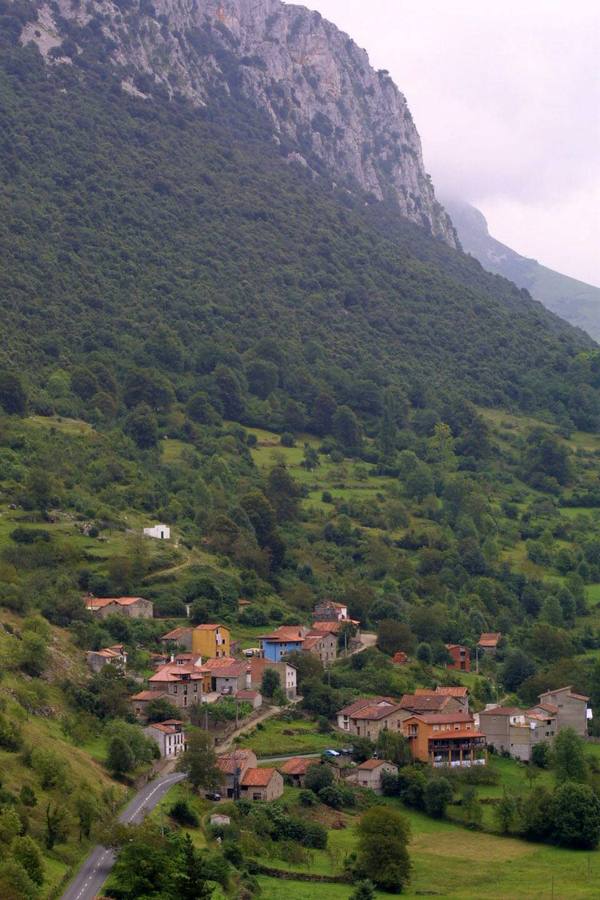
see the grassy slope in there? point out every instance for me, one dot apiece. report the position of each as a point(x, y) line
point(43, 729)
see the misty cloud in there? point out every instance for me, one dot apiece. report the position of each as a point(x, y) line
point(506, 96)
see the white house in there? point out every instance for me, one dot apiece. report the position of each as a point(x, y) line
point(169, 735)
point(160, 532)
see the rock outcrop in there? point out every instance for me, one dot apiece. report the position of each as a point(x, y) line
point(328, 108)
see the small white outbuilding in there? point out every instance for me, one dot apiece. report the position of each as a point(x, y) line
point(159, 532)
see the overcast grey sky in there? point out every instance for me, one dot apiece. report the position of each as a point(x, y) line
point(506, 97)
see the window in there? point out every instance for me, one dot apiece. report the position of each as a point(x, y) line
point(257, 796)
point(436, 727)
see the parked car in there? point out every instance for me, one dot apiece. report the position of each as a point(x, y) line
point(213, 795)
point(252, 651)
point(226, 691)
point(332, 753)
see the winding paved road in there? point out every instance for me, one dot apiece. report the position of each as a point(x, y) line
point(88, 882)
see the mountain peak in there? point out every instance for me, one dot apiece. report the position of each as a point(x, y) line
point(326, 106)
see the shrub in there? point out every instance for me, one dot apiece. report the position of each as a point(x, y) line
point(183, 814)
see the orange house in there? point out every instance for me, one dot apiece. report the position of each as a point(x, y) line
point(445, 739)
point(461, 657)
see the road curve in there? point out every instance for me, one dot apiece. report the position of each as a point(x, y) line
point(94, 871)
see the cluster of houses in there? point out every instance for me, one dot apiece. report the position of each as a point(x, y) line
point(243, 779)
point(197, 664)
point(442, 731)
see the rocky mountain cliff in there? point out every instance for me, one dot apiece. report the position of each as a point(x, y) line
point(327, 107)
point(573, 300)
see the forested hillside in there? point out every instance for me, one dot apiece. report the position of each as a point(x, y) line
point(148, 253)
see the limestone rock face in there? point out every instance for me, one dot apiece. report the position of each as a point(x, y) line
point(328, 108)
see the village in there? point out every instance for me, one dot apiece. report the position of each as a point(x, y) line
point(200, 667)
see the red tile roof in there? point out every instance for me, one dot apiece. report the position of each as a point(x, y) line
point(424, 702)
point(258, 777)
point(176, 634)
point(247, 695)
point(229, 762)
point(502, 711)
point(328, 627)
point(173, 673)
point(148, 695)
point(172, 726)
point(99, 602)
point(456, 735)
point(370, 764)
point(451, 691)
point(210, 627)
point(298, 765)
point(363, 703)
point(376, 712)
point(547, 707)
point(286, 634)
point(443, 718)
point(490, 638)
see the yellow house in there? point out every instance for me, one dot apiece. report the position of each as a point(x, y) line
point(211, 641)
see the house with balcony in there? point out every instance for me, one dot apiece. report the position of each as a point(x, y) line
point(441, 740)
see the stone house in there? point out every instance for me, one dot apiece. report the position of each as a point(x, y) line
point(181, 684)
point(509, 729)
point(295, 769)
point(322, 644)
point(233, 767)
point(458, 693)
point(255, 698)
point(369, 773)
point(178, 637)
point(132, 607)
point(139, 702)
point(571, 709)
point(369, 716)
point(109, 656)
point(287, 675)
point(261, 784)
